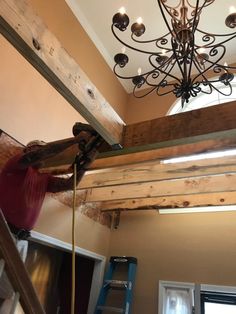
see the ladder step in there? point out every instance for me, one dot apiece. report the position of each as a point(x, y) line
point(110, 308)
point(117, 284)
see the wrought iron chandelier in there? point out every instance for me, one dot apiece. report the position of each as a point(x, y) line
point(195, 54)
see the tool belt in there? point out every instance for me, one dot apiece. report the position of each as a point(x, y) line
point(19, 233)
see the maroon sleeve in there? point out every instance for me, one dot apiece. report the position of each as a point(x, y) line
point(55, 184)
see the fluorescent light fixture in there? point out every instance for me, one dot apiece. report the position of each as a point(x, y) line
point(231, 152)
point(206, 209)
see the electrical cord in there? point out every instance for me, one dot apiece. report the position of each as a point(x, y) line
point(73, 242)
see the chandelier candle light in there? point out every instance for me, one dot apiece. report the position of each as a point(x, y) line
point(185, 49)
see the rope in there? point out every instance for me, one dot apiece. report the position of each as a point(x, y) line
point(73, 244)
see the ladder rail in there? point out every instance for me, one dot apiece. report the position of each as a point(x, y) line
point(110, 284)
point(17, 272)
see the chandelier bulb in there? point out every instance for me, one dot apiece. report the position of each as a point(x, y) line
point(139, 20)
point(123, 49)
point(163, 52)
point(201, 50)
point(122, 10)
point(232, 9)
point(139, 71)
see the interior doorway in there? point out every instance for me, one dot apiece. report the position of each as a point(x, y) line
point(50, 271)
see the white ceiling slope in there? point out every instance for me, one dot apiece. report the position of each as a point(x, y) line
point(96, 17)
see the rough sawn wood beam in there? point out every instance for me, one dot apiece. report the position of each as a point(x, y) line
point(28, 34)
point(198, 131)
point(188, 127)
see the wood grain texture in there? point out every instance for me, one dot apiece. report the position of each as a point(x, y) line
point(62, 162)
point(40, 47)
point(184, 186)
point(187, 127)
point(176, 201)
point(155, 171)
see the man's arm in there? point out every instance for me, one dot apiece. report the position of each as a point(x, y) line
point(58, 184)
point(34, 158)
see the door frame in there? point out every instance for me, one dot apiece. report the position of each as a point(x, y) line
point(99, 263)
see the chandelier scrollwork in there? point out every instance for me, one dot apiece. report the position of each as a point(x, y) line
point(184, 60)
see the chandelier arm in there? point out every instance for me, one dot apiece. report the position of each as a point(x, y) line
point(218, 90)
point(230, 67)
point(160, 3)
point(129, 46)
point(128, 77)
point(193, 41)
point(213, 38)
point(150, 40)
point(191, 62)
point(215, 35)
point(201, 74)
point(205, 4)
point(143, 95)
point(212, 86)
point(197, 13)
point(221, 92)
point(176, 58)
point(165, 93)
point(163, 71)
point(212, 64)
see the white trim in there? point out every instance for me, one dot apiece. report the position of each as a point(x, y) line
point(99, 264)
point(197, 299)
point(214, 288)
point(98, 274)
point(173, 284)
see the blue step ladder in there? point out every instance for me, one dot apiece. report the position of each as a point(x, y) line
point(110, 284)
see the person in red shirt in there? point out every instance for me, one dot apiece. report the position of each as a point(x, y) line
point(23, 187)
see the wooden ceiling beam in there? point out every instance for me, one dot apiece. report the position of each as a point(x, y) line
point(187, 127)
point(193, 132)
point(28, 34)
point(155, 171)
point(168, 202)
point(61, 163)
point(183, 186)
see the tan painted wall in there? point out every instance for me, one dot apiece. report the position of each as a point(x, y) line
point(55, 221)
point(31, 109)
point(148, 108)
point(63, 24)
point(182, 247)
